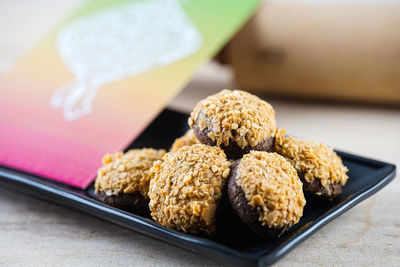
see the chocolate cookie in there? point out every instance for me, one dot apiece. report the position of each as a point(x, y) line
point(330, 191)
point(187, 140)
point(123, 181)
point(266, 193)
point(186, 186)
point(132, 202)
point(235, 121)
point(320, 169)
point(233, 151)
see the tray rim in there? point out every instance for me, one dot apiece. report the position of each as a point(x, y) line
point(80, 200)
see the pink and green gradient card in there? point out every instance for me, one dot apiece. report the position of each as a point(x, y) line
point(100, 77)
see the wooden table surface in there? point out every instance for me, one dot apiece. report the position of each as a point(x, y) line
point(36, 233)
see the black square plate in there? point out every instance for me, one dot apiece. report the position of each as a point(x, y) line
point(233, 243)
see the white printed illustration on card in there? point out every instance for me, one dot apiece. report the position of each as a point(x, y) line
point(119, 42)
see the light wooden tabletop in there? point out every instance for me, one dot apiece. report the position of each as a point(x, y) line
point(34, 232)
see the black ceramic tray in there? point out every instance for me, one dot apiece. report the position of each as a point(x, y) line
point(233, 243)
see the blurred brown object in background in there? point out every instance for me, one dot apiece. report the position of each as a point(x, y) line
point(336, 51)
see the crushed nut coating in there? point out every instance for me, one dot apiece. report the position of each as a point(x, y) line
point(313, 160)
point(127, 173)
point(235, 116)
point(186, 186)
point(187, 140)
point(271, 183)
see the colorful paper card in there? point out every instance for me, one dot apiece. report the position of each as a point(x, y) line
point(99, 79)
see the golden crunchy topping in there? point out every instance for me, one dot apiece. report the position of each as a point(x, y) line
point(314, 160)
point(127, 173)
point(187, 140)
point(186, 186)
point(271, 183)
point(235, 116)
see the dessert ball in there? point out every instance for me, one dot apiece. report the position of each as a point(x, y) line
point(123, 181)
point(187, 140)
point(236, 121)
point(320, 169)
point(266, 193)
point(186, 186)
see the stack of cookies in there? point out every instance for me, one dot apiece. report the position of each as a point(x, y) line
point(233, 146)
